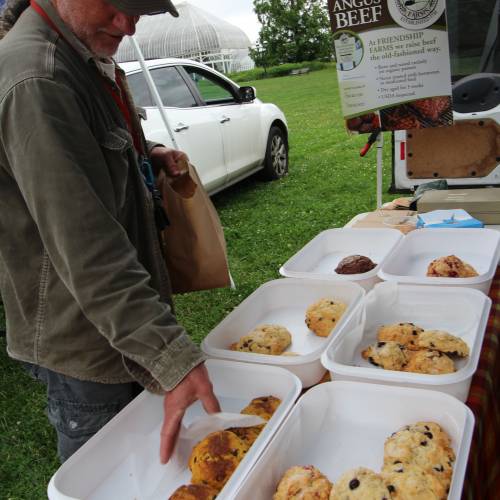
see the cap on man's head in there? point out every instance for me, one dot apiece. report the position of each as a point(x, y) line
point(141, 7)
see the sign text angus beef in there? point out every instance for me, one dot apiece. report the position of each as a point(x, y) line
point(348, 13)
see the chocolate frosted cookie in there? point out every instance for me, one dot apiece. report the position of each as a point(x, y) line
point(355, 264)
point(362, 484)
point(387, 355)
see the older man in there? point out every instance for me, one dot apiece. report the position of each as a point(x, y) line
point(82, 278)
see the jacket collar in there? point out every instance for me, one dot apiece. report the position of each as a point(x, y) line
point(68, 35)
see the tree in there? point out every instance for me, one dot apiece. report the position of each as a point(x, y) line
point(292, 31)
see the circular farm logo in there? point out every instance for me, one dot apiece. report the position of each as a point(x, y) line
point(416, 14)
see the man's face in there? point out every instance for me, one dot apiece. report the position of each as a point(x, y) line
point(98, 24)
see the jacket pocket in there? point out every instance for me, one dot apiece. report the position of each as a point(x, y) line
point(118, 150)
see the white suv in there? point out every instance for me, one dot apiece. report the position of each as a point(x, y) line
point(225, 130)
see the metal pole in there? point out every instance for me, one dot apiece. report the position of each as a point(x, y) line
point(380, 167)
point(153, 90)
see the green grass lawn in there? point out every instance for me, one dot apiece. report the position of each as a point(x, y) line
point(265, 223)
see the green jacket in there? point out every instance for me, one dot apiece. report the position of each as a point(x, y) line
point(82, 278)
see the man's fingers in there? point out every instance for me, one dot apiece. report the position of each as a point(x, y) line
point(168, 435)
point(210, 402)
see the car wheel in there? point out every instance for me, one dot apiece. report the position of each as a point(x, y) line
point(276, 160)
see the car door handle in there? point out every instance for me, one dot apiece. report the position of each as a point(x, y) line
point(225, 119)
point(181, 126)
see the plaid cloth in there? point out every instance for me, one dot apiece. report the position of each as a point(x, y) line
point(482, 480)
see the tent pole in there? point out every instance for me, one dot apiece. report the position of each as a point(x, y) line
point(153, 90)
point(380, 165)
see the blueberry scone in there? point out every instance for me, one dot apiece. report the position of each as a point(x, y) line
point(387, 355)
point(441, 341)
point(265, 339)
point(406, 334)
point(429, 362)
point(303, 482)
point(450, 267)
point(215, 458)
point(411, 482)
point(410, 446)
point(323, 316)
point(262, 407)
point(362, 484)
point(194, 492)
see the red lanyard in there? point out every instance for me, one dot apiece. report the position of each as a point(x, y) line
point(119, 96)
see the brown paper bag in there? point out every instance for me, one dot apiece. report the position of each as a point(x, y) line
point(195, 248)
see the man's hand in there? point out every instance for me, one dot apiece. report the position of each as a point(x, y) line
point(196, 385)
point(169, 160)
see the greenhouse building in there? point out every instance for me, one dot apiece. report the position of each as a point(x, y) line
point(195, 34)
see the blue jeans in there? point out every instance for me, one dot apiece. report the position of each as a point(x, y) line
point(77, 409)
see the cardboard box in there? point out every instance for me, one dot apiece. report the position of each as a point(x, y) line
point(481, 203)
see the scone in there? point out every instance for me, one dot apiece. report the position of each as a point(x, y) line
point(409, 446)
point(194, 492)
point(323, 316)
point(247, 434)
point(450, 267)
point(262, 407)
point(215, 458)
point(410, 482)
point(405, 334)
point(362, 484)
point(429, 362)
point(432, 431)
point(388, 355)
point(303, 482)
point(265, 339)
point(441, 341)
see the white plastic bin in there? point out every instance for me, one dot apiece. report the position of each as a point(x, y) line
point(339, 426)
point(319, 258)
point(122, 460)
point(284, 302)
point(460, 311)
point(408, 262)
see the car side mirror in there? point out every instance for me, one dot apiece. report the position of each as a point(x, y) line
point(247, 94)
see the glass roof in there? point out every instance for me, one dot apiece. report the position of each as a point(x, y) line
point(194, 34)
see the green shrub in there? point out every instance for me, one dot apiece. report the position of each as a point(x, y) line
point(275, 71)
